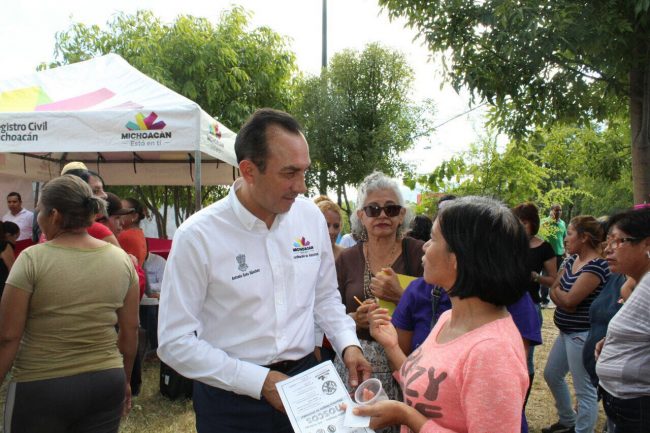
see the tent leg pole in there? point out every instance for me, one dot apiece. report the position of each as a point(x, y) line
point(197, 180)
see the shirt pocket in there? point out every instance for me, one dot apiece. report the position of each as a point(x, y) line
point(305, 279)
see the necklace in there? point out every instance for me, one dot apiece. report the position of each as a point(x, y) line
point(367, 274)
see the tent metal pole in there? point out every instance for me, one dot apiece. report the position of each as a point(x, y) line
point(197, 162)
point(197, 180)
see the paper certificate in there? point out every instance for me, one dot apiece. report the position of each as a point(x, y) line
point(313, 398)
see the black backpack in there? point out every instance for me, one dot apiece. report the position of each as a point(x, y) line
point(173, 385)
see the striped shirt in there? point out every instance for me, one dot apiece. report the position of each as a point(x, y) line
point(624, 363)
point(578, 321)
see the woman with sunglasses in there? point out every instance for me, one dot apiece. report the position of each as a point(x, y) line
point(576, 287)
point(367, 272)
point(623, 366)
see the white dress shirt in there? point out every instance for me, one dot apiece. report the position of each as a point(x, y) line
point(154, 268)
point(24, 220)
point(237, 295)
point(347, 241)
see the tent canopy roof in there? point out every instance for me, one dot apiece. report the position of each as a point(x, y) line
point(118, 121)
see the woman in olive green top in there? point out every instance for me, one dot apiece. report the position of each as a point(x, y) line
point(58, 314)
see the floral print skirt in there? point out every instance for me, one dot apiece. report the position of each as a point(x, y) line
point(376, 355)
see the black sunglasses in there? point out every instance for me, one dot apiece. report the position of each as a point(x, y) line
point(391, 210)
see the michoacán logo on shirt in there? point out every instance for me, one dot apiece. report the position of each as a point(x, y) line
point(302, 244)
point(302, 248)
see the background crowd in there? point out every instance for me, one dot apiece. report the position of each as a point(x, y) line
point(446, 308)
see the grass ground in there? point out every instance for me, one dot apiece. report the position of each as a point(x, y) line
point(153, 413)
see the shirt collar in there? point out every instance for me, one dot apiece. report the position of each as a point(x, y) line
point(245, 217)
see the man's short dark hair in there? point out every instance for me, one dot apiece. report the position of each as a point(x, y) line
point(491, 247)
point(421, 228)
point(10, 228)
point(251, 142)
point(14, 194)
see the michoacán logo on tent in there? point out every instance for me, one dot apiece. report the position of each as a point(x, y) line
point(214, 130)
point(145, 131)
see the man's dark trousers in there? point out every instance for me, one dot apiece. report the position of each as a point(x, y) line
point(219, 411)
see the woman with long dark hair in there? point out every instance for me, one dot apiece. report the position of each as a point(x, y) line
point(580, 281)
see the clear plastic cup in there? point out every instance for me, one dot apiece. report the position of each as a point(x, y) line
point(376, 391)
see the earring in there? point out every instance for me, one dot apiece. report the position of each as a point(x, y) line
point(648, 254)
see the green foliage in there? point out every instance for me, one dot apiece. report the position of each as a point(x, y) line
point(512, 176)
point(541, 63)
point(536, 62)
point(228, 69)
point(358, 118)
point(585, 169)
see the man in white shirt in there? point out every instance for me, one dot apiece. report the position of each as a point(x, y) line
point(154, 268)
point(18, 215)
point(246, 280)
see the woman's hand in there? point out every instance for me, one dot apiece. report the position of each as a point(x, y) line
point(384, 413)
point(361, 315)
point(385, 285)
point(557, 295)
point(381, 327)
point(127, 400)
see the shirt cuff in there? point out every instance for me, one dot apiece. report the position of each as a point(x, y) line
point(344, 340)
point(250, 379)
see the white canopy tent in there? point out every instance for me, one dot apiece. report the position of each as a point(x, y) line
point(118, 121)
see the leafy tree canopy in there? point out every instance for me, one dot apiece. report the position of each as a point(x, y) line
point(227, 68)
point(541, 63)
point(586, 169)
point(358, 117)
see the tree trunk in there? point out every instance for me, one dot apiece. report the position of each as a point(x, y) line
point(147, 197)
point(177, 205)
point(640, 133)
point(347, 205)
point(322, 182)
point(165, 207)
